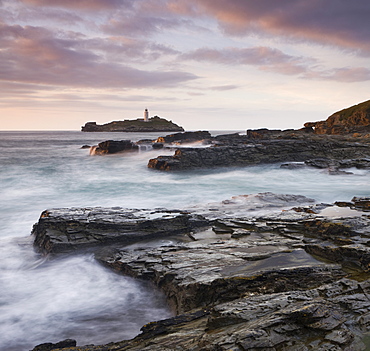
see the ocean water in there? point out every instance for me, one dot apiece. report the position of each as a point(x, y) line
point(48, 300)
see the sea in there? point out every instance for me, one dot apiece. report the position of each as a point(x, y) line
point(48, 299)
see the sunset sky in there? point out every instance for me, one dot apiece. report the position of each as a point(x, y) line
point(205, 64)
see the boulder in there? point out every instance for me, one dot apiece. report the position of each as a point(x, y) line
point(114, 146)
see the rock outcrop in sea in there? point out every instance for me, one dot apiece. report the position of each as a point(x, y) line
point(349, 147)
point(242, 151)
point(154, 124)
point(293, 279)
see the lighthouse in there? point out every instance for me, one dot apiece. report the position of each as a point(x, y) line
point(146, 115)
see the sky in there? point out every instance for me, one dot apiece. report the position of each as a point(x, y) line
point(204, 64)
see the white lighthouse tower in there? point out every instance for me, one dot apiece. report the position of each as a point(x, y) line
point(146, 115)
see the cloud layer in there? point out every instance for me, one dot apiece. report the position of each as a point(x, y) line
point(36, 55)
point(181, 49)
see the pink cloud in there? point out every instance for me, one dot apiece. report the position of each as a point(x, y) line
point(34, 55)
point(340, 23)
point(344, 74)
point(265, 58)
point(91, 5)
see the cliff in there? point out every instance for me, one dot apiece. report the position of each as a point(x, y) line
point(355, 119)
point(154, 124)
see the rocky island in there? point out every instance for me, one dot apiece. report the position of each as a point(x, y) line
point(154, 124)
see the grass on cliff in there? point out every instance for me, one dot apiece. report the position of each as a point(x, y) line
point(348, 112)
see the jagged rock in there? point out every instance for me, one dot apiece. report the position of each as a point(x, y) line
point(113, 146)
point(293, 165)
point(62, 230)
point(260, 288)
point(268, 151)
point(185, 137)
point(59, 345)
point(322, 163)
point(196, 275)
point(362, 203)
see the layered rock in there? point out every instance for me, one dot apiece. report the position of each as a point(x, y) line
point(154, 124)
point(266, 151)
point(64, 230)
point(293, 280)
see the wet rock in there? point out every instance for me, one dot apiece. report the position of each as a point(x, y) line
point(266, 151)
point(113, 146)
point(362, 203)
point(293, 165)
point(63, 230)
point(157, 145)
point(185, 137)
point(199, 275)
point(287, 280)
point(321, 163)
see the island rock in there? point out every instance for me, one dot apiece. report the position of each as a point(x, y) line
point(154, 124)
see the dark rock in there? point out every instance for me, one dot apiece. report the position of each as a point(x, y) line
point(343, 204)
point(185, 137)
point(362, 163)
point(262, 133)
point(59, 345)
point(157, 145)
point(321, 163)
point(261, 288)
point(293, 165)
point(362, 203)
point(113, 146)
point(270, 151)
point(230, 139)
point(63, 230)
point(192, 275)
point(85, 147)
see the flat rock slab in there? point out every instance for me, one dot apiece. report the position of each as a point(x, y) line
point(66, 229)
point(263, 152)
point(195, 275)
